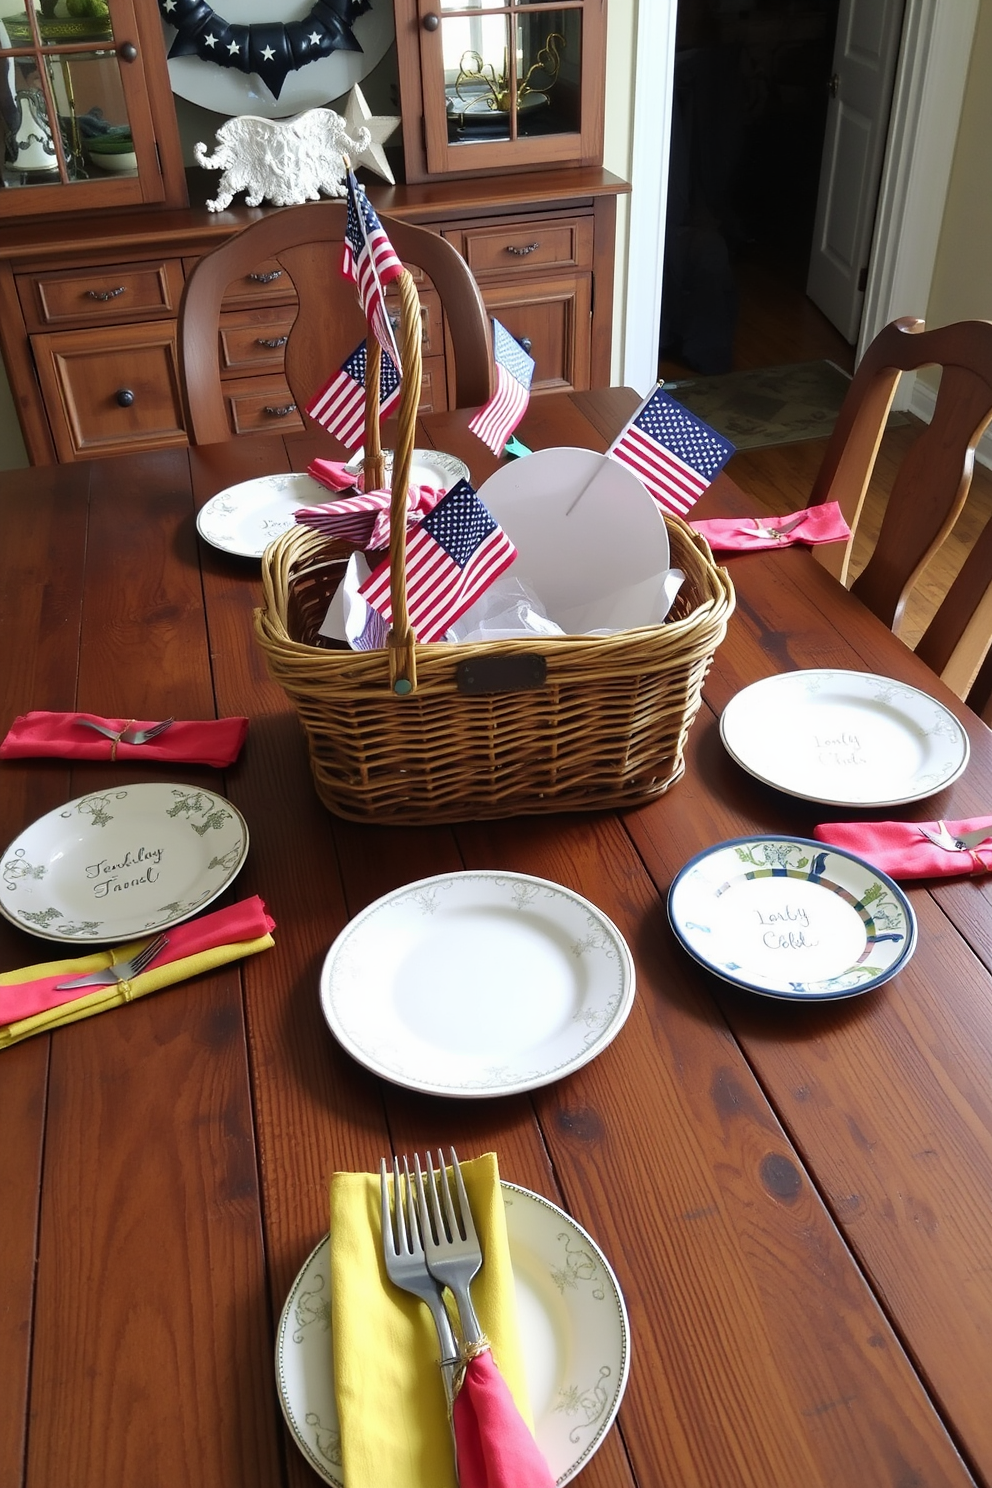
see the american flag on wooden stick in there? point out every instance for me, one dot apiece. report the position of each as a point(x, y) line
point(370, 261)
point(674, 454)
point(452, 557)
point(514, 370)
point(339, 407)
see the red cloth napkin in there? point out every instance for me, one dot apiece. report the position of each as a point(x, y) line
point(247, 920)
point(495, 1448)
point(820, 524)
point(196, 741)
point(901, 850)
point(332, 474)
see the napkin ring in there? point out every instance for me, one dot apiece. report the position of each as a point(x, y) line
point(466, 1354)
point(117, 739)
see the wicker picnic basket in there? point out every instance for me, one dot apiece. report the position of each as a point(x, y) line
point(427, 733)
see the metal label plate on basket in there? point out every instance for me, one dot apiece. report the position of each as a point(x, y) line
point(488, 674)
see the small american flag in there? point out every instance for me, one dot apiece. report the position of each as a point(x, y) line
point(514, 370)
point(370, 261)
point(674, 454)
point(339, 407)
point(452, 557)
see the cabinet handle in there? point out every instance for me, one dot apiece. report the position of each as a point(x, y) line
point(127, 51)
point(266, 278)
point(276, 341)
point(104, 294)
point(281, 412)
point(125, 397)
point(524, 342)
point(431, 21)
point(522, 252)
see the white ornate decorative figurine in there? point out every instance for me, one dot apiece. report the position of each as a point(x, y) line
point(284, 161)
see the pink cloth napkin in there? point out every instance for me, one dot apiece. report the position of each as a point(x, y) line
point(364, 520)
point(820, 524)
point(333, 475)
point(495, 1448)
point(196, 741)
point(244, 921)
point(901, 850)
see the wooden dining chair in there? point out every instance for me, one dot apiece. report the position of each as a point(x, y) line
point(928, 492)
point(307, 242)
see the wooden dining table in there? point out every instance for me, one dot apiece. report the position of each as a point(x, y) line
point(796, 1197)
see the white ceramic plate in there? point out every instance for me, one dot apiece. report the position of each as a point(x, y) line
point(225, 90)
point(844, 738)
point(573, 1326)
point(790, 917)
point(590, 540)
point(244, 519)
point(477, 984)
point(117, 863)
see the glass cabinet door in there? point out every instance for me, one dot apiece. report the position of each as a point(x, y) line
point(511, 82)
point(75, 125)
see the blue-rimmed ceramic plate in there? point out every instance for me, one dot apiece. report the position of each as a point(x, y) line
point(790, 917)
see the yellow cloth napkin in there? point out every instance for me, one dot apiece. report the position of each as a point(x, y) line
point(100, 999)
point(390, 1397)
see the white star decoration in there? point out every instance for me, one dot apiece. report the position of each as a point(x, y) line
point(210, 40)
point(268, 54)
point(358, 115)
point(234, 49)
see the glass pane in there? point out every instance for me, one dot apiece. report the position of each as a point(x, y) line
point(549, 72)
point(476, 61)
point(474, 4)
point(29, 154)
point(91, 22)
point(93, 114)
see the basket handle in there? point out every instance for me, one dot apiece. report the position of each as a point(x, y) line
point(401, 641)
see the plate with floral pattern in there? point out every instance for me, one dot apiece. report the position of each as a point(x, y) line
point(117, 863)
point(573, 1327)
point(844, 738)
point(245, 518)
point(789, 917)
point(477, 984)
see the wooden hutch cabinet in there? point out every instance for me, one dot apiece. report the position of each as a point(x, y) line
point(89, 294)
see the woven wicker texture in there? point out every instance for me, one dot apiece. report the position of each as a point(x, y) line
point(607, 729)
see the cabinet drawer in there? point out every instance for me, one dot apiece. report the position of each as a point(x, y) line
point(111, 390)
point(555, 316)
point(101, 296)
point(508, 248)
point(261, 405)
point(431, 322)
point(268, 284)
point(254, 340)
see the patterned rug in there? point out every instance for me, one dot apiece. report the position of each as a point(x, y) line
point(772, 405)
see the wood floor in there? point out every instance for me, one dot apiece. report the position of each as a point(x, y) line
point(777, 324)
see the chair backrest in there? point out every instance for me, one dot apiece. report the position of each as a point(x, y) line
point(307, 241)
point(929, 489)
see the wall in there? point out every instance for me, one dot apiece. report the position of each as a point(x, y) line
point(961, 288)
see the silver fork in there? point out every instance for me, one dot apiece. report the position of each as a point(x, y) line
point(451, 1244)
point(403, 1253)
point(124, 971)
point(962, 843)
point(130, 735)
point(783, 530)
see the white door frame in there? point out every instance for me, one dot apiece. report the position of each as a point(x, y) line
point(926, 110)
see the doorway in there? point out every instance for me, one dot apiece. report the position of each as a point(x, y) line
point(749, 109)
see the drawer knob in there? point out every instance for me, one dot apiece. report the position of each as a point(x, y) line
point(266, 278)
point(522, 252)
point(105, 294)
point(525, 342)
point(431, 21)
point(125, 397)
point(127, 51)
point(273, 343)
point(281, 412)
